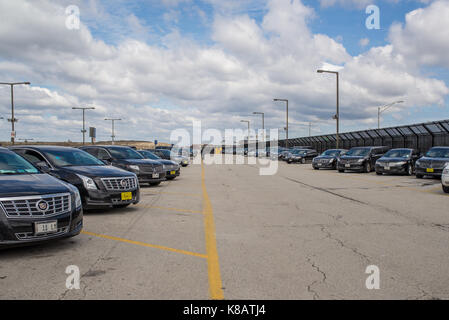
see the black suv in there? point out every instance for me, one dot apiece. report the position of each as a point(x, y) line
point(147, 171)
point(172, 168)
point(433, 163)
point(398, 161)
point(328, 159)
point(99, 185)
point(361, 159)
point(300, 155)
point(35, 206)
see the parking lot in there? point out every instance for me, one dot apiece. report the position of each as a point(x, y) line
point(224, 231)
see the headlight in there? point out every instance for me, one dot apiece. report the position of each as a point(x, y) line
point(418, 163)
point(164, 167)
point(88, 182)
point(75, 190)
point(134, 167)
point(331, 160)
point(401, 163)
point(446, 170)
point(360, 160)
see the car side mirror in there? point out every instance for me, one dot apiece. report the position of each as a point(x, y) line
point(43, 166)
point(107, 161)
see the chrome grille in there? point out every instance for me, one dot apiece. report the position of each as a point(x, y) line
point(146, 168)
point(26, 207)
point(32, 236)
point(113, 184)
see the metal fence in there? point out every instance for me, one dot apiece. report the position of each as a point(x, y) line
point(421, 136)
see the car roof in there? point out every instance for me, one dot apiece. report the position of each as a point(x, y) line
point(43, 147)
point(105, 146)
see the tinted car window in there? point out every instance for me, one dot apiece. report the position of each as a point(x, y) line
point(398, 154)
point(149, 155)
point(31, 156)
point(103, 154)
point(11, 163)
point(438, 153)
point(72, 157)
point(124, 153)
point(358, 152)
point(331, 153)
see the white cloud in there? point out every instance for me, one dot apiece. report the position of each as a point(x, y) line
point(156, 89)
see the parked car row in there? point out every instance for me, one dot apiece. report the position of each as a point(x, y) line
point(45, 189)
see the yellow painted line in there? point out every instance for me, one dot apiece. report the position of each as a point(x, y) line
point(143, 244)
point(213, 265)
point(169, 209)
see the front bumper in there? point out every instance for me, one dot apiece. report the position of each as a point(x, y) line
point(323, 165)
point(21, 231)
point(101, 198)
point(425, 172)
point(352, 167)
point(294, 160)
point(148, 177)
point(169, 174)
point(393, 169)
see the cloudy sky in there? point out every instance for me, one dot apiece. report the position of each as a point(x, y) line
point(159, 64)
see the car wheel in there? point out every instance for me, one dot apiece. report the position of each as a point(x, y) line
point(171, 178)
point(121, 205)
point(367, 167)
point(446, 189)
point(315, 168)
point(378, 173)
point(155, 183)
point(419, 176)
point(303, 160)
point(341, 171)
point(410, 170)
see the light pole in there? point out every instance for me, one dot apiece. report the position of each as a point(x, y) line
point(384, 108)
point(286, 128)
point(337, 115)
point(113, 127)
point(248, 122)
point(263, 124)
point(84, 120)
point(13, 120)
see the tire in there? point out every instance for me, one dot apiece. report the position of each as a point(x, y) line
point(303, 161)
point(153, 184)
point(316, 168)
point(446, 189)
point(118, 206)
point(367, 167)
point(419, 176)
point(409, 170)
point(379, 173)
point(171, 178)
point(341, 171)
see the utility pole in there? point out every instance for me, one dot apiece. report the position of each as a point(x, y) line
point(13, 119)
point(84, 120)
point(286, 128)
point(113, 127)
point(337, 115)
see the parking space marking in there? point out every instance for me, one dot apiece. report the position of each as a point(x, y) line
point(168, 208)
point(143, 244)
point(196, 195)
point(213, 265)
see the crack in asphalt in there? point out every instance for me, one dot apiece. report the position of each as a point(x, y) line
point(310, 289)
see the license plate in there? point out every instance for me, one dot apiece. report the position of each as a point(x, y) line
point(127, 196)
point(155, 175)
point(430, 170)
point(387, 167)
point(46, 227)
point(319, 164)
point(172, 172)
point(348, 165)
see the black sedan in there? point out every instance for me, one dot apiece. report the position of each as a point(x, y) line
point(300, 155)
point(433, 163)
point(360, 159)
point(147, 171)
point(172, 169)
point(397, 161)
point(99, 185)
point(328, 159)
point(35, 206)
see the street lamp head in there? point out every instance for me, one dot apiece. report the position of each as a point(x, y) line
point(320, 71)
point(28, 83)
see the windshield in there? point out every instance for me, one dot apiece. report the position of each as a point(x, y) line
point(299, 152)
point(11, 163)
point(358, 152)
point(398, 154)
point(438, 153)
point(149, 155)
point(72, 157)
point(124, 153)
point(331, 153)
